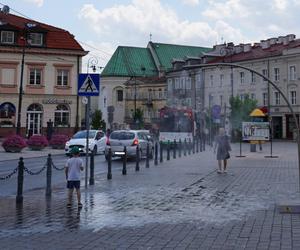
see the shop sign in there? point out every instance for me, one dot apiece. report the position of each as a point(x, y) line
point(56, 101)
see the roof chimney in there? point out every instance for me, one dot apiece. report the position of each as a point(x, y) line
point(264, 44)
point(247, 47)
point(291, 37)
point(272, 40)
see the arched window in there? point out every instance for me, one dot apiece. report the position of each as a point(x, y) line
point(7, 114)
point(62, 115)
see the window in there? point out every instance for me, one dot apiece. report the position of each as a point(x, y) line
point(182, 83)
point(277, 98)
point(292, 73)
point(293, 97)
point(242, 97)
point(211, 80)
point(177, 83)
point(188, 83)
point(8, 76)
point(253, 78)
point(120, 95)
point(170, 87)
point(265, 73)
point(7, 37)
point(35, 76)
point(160, 96)
point(198, 83)
point(61, 115)
point(276, 74)
point(264, 96)
point(242, 77)
point(36, 39)
point(62, 77)
point(221, 100)
point(253, 96)
point(221, 80)
point(7, 115)
point(188, 102)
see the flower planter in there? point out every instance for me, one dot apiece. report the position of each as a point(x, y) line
point(58, 146)
point(36, 147)
point(12, 149)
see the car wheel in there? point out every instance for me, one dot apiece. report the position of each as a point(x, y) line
point(95, 150)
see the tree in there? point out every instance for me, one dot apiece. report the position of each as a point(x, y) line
point(97, 121)
point(138, 118)
point(240, 111)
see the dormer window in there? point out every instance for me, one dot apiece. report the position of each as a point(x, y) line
point(7, 37)
point(36, 39)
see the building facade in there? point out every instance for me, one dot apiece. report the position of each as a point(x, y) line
point(138, 75)
point(276, 58)
point(46, 60)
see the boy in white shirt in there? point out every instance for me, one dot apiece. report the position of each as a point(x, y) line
point(72, 169)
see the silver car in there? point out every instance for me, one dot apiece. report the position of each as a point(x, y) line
point(129, 138)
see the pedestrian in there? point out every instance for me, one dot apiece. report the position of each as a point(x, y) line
point(222, 148)
point(72, 169)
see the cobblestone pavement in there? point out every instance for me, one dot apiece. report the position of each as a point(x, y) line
point(179, 204)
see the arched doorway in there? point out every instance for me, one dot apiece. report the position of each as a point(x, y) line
point(34, 119)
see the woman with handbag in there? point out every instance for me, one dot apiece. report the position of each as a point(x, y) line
point(222, 147)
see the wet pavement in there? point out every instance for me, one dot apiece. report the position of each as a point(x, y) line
point(179, 204)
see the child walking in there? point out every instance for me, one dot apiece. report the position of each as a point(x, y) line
point(72, 169)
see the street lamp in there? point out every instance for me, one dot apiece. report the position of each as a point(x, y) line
point(18, 129)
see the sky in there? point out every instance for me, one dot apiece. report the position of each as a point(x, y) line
point(102, 25)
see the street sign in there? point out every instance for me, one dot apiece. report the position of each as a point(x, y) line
point(256, 131)
point(88, 84)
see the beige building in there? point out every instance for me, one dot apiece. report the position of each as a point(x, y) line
point(276, 58)
point(52, 61)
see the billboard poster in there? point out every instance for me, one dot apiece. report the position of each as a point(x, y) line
point(256, 131)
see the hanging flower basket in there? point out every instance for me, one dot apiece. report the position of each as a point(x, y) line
point(14, 144)
point(37, 142)
point(58, 141)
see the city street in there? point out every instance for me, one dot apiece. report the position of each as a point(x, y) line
point(179, 204)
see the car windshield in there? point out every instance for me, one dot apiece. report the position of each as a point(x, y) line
point(82, 134)
point(122, 135)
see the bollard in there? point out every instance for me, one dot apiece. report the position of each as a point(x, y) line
point(155, 154)
point(109, 175)
point(48, 175)
point(124, 170)
point(189, 146)
point(179, 148)
point(137, 159)
point(193, 145)
point(184, 147)
point(19, 198)
point(92, 168)
point(174, 149)
point(168, 151)
point(161, 156)
point(147, 156)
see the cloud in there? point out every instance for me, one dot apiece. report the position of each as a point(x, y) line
point(191, 2)
point(131, 24)
point(39, 3)
point(280, 5)
point(228, 9)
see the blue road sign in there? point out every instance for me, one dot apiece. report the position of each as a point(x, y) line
point(88, 85)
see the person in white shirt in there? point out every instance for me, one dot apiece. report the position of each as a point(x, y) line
point(72, 169)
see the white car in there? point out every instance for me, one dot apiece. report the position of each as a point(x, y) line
point(97, 141)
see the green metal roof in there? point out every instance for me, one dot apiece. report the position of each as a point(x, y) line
point(130, 61)
point(167, 52)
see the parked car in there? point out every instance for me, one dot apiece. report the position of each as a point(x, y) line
point(97, 141)
point(129, 138)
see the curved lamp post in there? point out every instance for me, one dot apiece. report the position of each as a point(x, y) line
point(266, 79)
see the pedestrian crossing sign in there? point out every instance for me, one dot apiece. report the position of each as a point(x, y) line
point(88, 84)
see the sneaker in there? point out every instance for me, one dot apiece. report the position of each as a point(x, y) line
point(219, 172)
point(69, 205)
point(225, 172)
point(80, 205)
